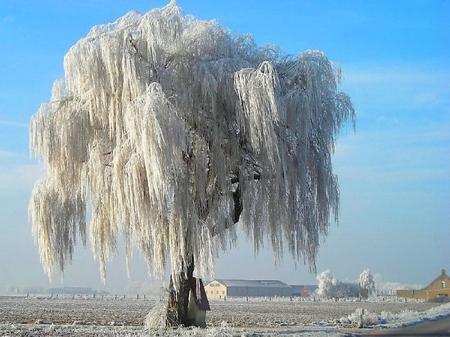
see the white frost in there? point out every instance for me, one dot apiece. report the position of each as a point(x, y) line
point(172, 128)
point(390, 320)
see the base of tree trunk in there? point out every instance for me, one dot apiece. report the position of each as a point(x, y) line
point(177, 310)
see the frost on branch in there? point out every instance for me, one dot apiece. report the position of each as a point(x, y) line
point(173, 129)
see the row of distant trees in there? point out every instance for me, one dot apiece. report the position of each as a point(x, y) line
point(330, 287)
point(366, 284)
point(134, 288)
point(64, 290)
point(26, 290)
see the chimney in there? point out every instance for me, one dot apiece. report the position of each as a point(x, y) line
point(443, 272)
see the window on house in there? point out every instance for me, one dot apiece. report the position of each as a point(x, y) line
point(217, 292)
point(443, 284)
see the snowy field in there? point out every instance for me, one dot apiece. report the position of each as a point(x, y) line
point(119, 316)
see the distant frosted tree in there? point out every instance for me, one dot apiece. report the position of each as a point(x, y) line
point(329, 286)
point(326, 284)
point(366, 281)
point(174, 129)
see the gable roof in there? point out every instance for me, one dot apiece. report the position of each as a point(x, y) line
point(436, 284)
point(301, 289)
point(252, 283)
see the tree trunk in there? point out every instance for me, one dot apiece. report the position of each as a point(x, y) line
point(177, 311)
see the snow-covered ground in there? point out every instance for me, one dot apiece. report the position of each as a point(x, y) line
point(119, 316)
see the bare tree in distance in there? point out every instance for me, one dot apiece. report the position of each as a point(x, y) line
point(174, 129)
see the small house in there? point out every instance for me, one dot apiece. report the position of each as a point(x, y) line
point(439, 288)
point(303, 290)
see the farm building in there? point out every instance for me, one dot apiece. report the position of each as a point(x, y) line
point(303, 290)
point(221, 288)
point(439, 288)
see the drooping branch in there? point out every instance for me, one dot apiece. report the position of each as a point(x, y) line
point(174, 130)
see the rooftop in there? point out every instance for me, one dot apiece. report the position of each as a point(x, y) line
point(252, 283)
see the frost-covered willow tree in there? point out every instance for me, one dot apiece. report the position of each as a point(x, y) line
point(366, 281)
point(174, 129)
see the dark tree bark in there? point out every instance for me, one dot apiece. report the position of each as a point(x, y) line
point(177, 311)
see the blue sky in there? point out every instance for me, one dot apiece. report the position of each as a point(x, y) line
point(394, 171)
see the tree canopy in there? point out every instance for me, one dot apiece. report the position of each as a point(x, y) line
point(173, 129)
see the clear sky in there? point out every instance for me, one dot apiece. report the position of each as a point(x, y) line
point(394, 171)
